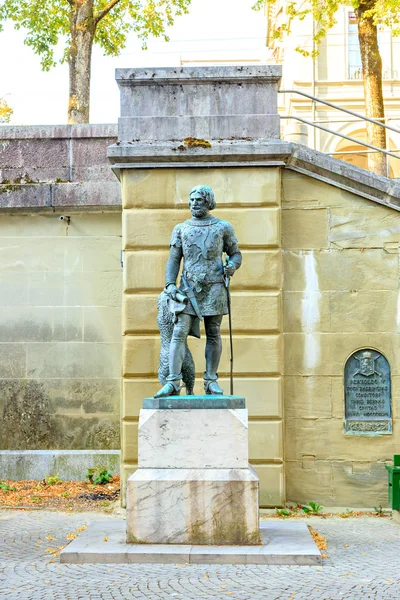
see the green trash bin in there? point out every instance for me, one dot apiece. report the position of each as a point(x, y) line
point(394, 483)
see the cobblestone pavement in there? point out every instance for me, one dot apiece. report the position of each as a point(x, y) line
point(363, 562)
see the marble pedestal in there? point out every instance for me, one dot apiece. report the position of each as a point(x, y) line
point(194, 484)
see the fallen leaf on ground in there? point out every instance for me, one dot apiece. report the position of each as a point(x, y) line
point(66, 495)
point(319, 539)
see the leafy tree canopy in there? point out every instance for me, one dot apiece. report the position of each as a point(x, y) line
point(47, 22)
point(383, 12)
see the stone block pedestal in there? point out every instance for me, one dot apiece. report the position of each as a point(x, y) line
point(194, 484)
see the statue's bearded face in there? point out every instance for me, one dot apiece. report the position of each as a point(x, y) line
point(198, 205)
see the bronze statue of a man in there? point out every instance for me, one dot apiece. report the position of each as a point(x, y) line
point(201, 242)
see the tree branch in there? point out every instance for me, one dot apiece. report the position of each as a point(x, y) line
point(105, 11)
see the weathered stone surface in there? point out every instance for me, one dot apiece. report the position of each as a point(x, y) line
point(265, 440)
point(272, 484)
point(89, 159)
point(12, 360)
point(337, 483)
point(206, 103)
point(364, 310)
point(253, 312)
point(254, 355)
point(46, 288)
point(308, 397)
point(209, 402)
point(341, 271)
point(282, 543)
point(315, 482)
point(70, 465)
point(40, 324)
point(169, 188)
point(301, 191)
point(305, 228)
point(193, 439)
point(245, 186)
point(102, 324)
point(144, 188)
point(87, 194)
point(326, 353)
point(263, 394)
point(73, 359)
point(36, 159)
point(89, 288)
point(193, 506)
point(255, 227)
point(25, 196)
point(96, 255)
point(306, 311)
point(325, 439)
point(365, 226)
point(201, 127)
point(129, 439)
point(145, 270)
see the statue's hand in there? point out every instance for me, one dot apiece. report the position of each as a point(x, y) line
point(172, 291)
point(229, 268)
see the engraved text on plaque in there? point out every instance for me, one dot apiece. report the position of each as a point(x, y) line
point(367, 394)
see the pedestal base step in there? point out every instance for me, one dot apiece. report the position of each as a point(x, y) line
point(283, 543)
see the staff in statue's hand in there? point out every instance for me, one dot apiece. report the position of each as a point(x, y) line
point(227, 277)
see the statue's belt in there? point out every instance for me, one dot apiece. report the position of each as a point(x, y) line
point(199, 280)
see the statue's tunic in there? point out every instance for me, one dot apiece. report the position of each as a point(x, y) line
point(203, 244)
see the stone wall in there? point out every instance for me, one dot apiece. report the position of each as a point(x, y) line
point(153, 202)
point(341, 293)
point(60, 317)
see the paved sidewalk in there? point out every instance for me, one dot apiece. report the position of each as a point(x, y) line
point(364, 562)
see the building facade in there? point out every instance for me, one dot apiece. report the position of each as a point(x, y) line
point(319, 286)
point(335, 75)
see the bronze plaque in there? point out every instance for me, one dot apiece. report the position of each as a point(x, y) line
point(368, 407)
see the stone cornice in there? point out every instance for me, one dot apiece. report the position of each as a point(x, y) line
point(199, 75)
point(242, 153)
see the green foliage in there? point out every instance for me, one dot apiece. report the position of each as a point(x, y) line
point(383, 12)
point(312, 508)
point(5, 111)
point(48, 22)
point(378, 510)
point(52, 480)
point(347, 514)
point(99, 475)
point(4, 487)
point(283, 512)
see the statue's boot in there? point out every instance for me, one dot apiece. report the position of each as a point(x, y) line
point(171, 388)
point(211, 386)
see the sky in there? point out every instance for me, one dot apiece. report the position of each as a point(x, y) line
point(214, 30)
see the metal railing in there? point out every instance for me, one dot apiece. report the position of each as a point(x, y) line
point(342, 135)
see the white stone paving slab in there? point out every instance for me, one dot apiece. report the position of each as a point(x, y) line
point(193, 439)
point(283, 543)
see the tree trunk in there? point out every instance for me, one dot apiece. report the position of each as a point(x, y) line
point(372, 75)
point(82, 29)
